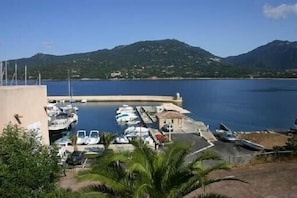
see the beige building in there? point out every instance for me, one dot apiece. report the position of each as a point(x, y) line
point(173, 118)
point(24, 106)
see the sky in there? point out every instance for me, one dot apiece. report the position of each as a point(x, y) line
point(222, 27)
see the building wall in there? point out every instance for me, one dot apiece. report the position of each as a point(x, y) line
point(28, 102)
point(175, 122)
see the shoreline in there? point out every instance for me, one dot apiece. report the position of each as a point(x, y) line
point(156, 79)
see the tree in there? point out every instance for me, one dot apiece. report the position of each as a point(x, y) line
point(73, 139)
point(27, 168)
point(106, 139)
point(145, 173)
point(292, 143)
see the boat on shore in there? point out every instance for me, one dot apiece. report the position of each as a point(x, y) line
point(225, 134)
point(252, 145)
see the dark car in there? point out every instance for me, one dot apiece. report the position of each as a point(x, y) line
point(76, 158)
point(167, 128)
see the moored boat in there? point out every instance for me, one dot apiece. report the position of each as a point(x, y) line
point(93, 138)
point(62, 121)
point(81, 137)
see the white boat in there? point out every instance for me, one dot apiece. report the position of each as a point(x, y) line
point(125, 117)
point(225, 134)
point(52, 109)
point(129, 122)
point(93, 138)
point(121, 140)
point(252, 145)
point(69, 108)
point(124, 108)
point(81, 137)
point(65, 140)
point(133, 132)
point(62, 121)
point(84, 101)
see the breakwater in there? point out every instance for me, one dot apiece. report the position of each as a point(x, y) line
point(119, 98)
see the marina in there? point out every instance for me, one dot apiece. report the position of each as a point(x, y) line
point(149, 131)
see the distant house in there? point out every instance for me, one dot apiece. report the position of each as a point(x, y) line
point(173, 118)
point(116, 74)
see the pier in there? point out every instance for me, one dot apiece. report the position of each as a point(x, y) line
point(119, 98)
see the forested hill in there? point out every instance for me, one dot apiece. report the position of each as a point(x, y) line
point(157, 59)
point(276, 55)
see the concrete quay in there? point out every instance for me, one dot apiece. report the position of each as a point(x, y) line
point(119, 98)
point(189, 126)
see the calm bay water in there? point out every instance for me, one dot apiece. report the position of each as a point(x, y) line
point(241, 104)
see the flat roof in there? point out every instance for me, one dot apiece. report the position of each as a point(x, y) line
point(173, 107)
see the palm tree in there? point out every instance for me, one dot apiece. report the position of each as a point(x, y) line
point(106, 138)
point(145, 173)
point(73, 139)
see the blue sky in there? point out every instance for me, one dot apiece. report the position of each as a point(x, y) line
point(222, 27)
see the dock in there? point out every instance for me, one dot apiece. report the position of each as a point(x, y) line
point(118, 98)
point(189, 125)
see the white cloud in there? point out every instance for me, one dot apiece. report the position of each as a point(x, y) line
point(281, 11)
point(47, 44)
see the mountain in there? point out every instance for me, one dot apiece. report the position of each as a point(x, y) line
point(276, 55)
point(167, 58)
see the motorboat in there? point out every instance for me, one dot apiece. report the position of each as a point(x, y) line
point(65, 140)
point(125, 117)
point(136, 131)
point(129, 122)
point(147, 139)
point(81, 137)
point(226, 134)
point(124, 108)
point(69, 108)
point(52, 109)
point(93, 138)
point(252, 145)
point(62, 121)
point(121, 140)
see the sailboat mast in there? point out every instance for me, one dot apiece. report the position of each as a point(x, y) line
point(1, 79)
point(68, 83)
point(25, 74)
point(39, 78)
point(6, 63)
point(16, 73)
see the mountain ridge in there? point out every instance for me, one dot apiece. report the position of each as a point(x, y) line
point(167, 58)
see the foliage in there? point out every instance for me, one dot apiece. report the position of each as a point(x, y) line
point(292, 143)
point(167, 58)
point(106, 139)
point(62, 193)
point(27, 168)
point(145, 173)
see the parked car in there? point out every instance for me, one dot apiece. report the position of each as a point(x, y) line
point(76, 158)
point(167, 128)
